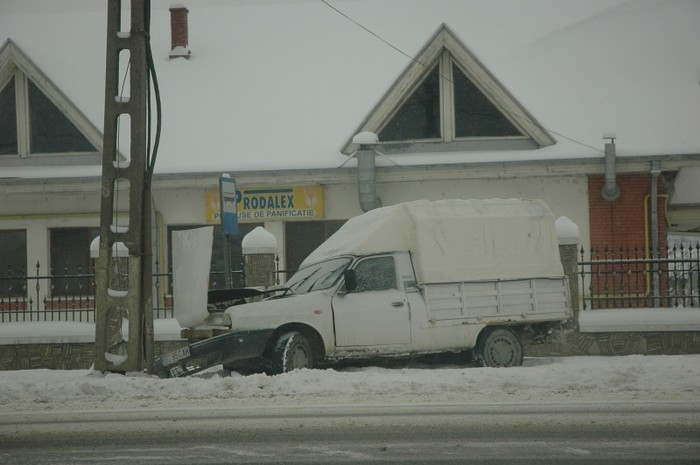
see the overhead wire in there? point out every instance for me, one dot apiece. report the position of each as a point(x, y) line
point(446, 78)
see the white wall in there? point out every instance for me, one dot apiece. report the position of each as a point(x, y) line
point(566, 196)
point(38, 212)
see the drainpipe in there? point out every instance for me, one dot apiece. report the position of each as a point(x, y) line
point(655, 172)
point(366, 170)
point(611, 191)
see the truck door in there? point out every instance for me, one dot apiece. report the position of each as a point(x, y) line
point(376, 313)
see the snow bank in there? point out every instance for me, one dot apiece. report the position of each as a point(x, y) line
point(71, 332)
point(46, 332)
point(589, 379)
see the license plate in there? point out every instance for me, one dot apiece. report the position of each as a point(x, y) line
point(175, 356)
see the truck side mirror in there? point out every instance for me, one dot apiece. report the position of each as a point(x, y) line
point(350, 280)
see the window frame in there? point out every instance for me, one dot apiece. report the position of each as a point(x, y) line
point(23, 119)
point(14, 63)
point(73, 274)
point(447, 104)
point(376, 259)
point(20, 275)
point(444, 46)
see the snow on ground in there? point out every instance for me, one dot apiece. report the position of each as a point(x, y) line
point(550, 379)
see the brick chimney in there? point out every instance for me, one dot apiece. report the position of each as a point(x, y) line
point(179, 41)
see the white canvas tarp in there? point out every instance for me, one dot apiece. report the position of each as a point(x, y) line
point(456, 240)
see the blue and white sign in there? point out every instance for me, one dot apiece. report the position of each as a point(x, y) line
point(227, 194)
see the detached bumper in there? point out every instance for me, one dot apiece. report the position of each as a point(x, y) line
point(224, 348)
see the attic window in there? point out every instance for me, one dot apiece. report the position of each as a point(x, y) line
point(8, 119)
point(447, 106)
point(33, 124)
point(419, 117)
point(475, 115)
point(447, 101)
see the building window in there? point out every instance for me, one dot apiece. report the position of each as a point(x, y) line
point(447, 101)
point(71, 266)
point(216, 274)
point(419, 117)
point(45, 130)
point(447, 106)
point(301, 238)
point(475, 114)
point(35, 118)
point(13, 262)
point(49, 129)
point(8, 119)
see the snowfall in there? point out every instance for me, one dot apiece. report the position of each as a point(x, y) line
point(587, 379)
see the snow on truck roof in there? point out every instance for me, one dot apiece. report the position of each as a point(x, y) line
point(456, 240)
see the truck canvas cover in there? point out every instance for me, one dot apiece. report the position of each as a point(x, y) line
point(456, 240)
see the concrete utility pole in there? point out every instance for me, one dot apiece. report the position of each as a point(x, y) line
point(130, 296)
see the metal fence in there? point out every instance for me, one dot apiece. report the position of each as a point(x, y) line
point(69, 295)
point(60, 295)
point(631, 277)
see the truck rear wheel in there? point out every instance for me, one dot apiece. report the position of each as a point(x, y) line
point(499, 348)
point(292, 352)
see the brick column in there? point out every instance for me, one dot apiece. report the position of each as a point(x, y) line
point(568, 235)
point(259, 251)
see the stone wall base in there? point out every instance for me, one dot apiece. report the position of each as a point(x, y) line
point(569, 342)
point(566, 343)
point(61, 356)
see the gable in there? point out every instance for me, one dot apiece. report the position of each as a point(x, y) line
point(446, 100)
point(39, 125)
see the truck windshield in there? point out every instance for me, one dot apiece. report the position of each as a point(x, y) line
point(318, 276)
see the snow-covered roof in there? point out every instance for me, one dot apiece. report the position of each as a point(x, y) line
point(282, 84)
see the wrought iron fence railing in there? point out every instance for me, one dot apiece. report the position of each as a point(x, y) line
point(630, 277)
point(69, 295)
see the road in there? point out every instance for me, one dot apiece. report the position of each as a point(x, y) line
point(667, 433)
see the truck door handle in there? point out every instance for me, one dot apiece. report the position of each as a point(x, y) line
point(397, 304)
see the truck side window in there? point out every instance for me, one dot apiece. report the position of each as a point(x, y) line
point(376, 274)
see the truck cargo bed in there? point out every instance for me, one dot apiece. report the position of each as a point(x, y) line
point(487, 302)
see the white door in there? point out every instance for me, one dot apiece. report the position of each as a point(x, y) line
point(376, 313)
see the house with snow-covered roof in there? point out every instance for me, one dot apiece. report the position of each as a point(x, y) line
point(591, 106)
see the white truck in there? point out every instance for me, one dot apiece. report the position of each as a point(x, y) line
point(414, 278)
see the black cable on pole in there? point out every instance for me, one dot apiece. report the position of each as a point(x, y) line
point(156, 92)
point(147, 37)
point(151, 156)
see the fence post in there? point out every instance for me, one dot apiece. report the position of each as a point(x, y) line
point(568, 235)
point(259, 250)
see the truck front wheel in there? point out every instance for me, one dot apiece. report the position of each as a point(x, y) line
point(499, 348)
point(292, 352)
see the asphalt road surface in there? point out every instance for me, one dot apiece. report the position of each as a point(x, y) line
point(644, 433)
